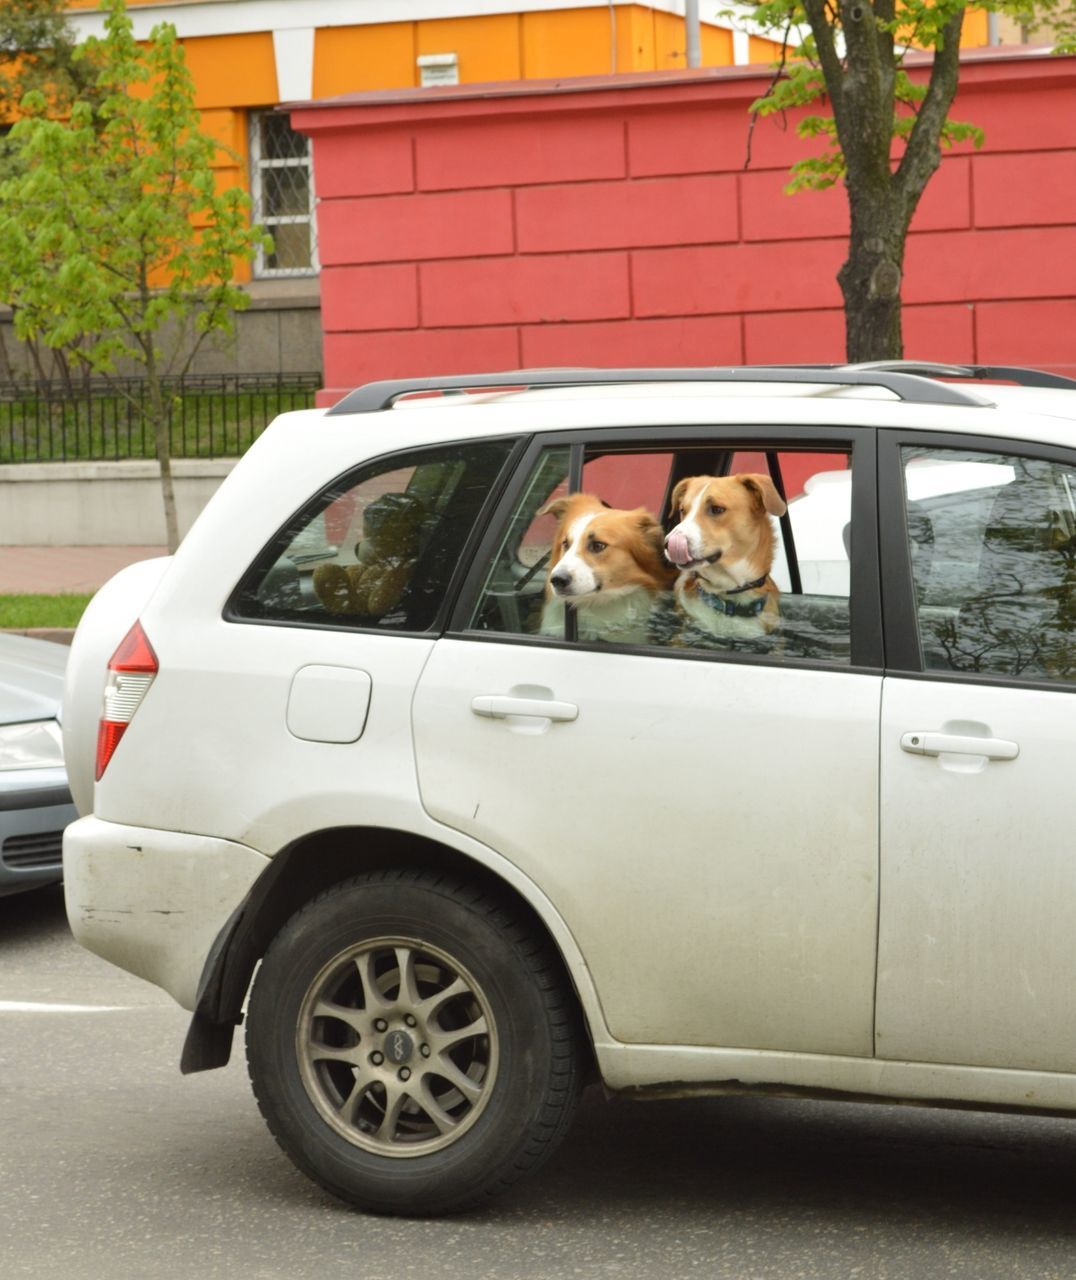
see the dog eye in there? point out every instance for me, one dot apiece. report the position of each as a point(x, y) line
point(595, 545)
point(716, 510)
point(564, 545)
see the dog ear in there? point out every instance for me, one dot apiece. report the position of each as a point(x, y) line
point(650, 548)
point(765, 493)
point(678, 494)
point(556, 508)
point(652, 533)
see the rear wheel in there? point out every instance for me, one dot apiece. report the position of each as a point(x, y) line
point(411, 1043)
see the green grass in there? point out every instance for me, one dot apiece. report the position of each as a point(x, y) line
point(24, 611)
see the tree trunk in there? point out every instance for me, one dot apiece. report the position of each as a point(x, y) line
point(6, 372)
point(164, 450)
point(861, 80)
point(871, 281)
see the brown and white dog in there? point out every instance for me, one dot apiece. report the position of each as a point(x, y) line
point(608, 563)
point(723, 547)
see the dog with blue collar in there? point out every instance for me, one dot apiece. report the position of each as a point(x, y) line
point(723, 547)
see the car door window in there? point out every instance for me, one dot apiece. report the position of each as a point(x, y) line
point(812, 547)
point(992, 539)
point(810, 565)
point(379, 548)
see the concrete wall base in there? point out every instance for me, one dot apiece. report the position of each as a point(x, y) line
point(95, 504)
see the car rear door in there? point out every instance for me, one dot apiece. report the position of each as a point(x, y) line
point(704, 820)
point(977, 946)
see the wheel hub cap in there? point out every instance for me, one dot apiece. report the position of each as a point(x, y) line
point(397, 1048)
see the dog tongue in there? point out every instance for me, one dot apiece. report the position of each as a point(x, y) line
point(676, 548)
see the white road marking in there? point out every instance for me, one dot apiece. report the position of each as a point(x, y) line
point(28, 1006)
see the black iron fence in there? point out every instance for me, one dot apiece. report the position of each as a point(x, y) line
point(209, 416)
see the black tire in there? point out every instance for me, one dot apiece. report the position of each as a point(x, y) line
point(448, 1124)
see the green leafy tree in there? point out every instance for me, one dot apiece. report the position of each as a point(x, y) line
point(37, 53)
point(115, 245)
point(882, 130)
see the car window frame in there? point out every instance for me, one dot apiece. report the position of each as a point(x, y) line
point(899, 612)
point(275, 545)
point(867, 646)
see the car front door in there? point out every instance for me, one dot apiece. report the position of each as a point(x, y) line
point(977, 947)
point(704, 819)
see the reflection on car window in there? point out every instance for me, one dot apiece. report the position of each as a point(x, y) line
point(378, 549)
point(682, 549)
point(993, 547)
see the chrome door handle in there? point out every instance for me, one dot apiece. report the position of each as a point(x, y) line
point(926, 743)
point(499, 707)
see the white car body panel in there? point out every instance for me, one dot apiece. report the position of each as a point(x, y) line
point(687, 1070)
point(153, 901)
point(174, 913)
point(978, 948)
point(652, 822)
point(222, 696)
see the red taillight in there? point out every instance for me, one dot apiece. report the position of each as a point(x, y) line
point(130, 673)
point(135, 653)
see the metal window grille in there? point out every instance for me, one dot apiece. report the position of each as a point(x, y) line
point(209, 416)
point(282, 191)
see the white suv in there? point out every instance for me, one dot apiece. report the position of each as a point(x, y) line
point(477, 861)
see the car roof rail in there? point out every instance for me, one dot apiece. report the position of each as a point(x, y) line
point(375, 396)
point(1023, 377)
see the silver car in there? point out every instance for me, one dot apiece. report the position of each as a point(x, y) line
point(35, 804)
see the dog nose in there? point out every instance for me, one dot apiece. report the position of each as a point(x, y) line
point(560, 579)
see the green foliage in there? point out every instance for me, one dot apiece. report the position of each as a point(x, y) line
point(113, 237)
point(37, 53)
point(116, 247)
point(867, 44)
point(1058, 23)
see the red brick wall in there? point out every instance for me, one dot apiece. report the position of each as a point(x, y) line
point(612, 222)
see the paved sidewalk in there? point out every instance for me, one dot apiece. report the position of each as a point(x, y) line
point(54, 570)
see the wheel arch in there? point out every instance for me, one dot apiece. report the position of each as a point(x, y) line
point(300, 871)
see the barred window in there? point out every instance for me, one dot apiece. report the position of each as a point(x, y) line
point(282, 190)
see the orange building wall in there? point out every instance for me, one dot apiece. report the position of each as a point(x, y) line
point(354, 59)
point(488, 48)
point(530, 46)
point(239, 71)
point(233, 71)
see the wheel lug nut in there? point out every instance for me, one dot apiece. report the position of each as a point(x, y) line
point(380, 1024)
point(425, 1050)
point(377, 1059)
point(405, 1073)
point(410, 1020)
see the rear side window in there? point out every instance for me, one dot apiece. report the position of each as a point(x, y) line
point(992, 539)
point(380, 547)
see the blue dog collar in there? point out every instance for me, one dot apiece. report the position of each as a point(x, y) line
point(734, 608)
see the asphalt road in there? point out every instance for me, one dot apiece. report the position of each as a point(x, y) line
point(115, 1167)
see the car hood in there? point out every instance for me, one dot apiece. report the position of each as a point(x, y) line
point(31, 679)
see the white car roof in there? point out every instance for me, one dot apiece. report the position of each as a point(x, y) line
point(902, 394)
point(1034, 414)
